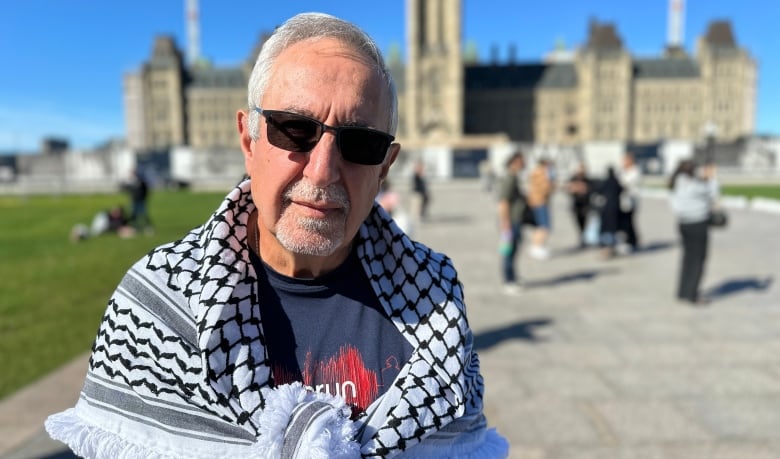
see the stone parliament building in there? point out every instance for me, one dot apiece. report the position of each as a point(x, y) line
point(598, 92)
point(591, 103)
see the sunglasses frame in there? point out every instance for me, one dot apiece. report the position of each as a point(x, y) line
point(351, 156)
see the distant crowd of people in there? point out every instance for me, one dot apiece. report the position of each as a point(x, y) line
point(604, 213)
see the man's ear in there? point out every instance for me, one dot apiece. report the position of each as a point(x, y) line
point(392, 155)
point(242, 123)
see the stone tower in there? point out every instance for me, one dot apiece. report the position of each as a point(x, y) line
point(163, 83)
point(729, 83)
point(433, 105)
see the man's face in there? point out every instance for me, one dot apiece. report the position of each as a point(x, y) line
point(313, 203)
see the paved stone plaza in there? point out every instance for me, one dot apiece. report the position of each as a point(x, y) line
point(594, 358)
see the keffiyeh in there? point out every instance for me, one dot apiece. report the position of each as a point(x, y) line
point(179, 366)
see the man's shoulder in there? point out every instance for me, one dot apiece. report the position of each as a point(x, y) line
point(426, 252)
point(172, 259)
point(384, 247)
point(407, 256)
point(437, 264)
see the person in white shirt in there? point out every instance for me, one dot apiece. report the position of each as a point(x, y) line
point(630, 178)
point(692, 198)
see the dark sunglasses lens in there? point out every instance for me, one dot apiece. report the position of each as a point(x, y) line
point(363, 146)
point(292, 132)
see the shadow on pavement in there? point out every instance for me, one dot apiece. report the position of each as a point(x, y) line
point(571, 251)
point(734, 286)
point(587, 275)
point(447, 219)
point(655, 247)
point(524, 330)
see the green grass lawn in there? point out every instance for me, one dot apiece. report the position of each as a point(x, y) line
point(751, 191)
point(52, 291)
point(771, 191)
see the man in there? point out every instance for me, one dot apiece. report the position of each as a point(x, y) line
point(138, 188)
point(298, 321)
point(580, 187)
point(420, 196)
point(511, 204)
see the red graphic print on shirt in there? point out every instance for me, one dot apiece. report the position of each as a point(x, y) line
point(344, 374)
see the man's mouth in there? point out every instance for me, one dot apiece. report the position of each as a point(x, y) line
point(318, 209)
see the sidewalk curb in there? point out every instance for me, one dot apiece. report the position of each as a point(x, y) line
point(23, 413)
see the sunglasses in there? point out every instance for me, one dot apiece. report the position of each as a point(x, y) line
point(300, 134)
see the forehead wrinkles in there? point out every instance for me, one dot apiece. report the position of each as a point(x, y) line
point(308, 58)
point(328, 46)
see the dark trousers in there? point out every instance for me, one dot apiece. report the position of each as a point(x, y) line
point(626, 225)
point(508, 261)
point(139, 217)
point(581, 217)
point(694, 244)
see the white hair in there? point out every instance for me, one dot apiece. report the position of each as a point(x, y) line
point(307, 26)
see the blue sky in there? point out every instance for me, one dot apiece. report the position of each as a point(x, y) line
point(63, 60)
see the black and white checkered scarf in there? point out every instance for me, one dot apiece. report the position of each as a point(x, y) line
point(179, 367)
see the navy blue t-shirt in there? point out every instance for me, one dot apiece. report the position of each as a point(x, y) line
point(330, 333)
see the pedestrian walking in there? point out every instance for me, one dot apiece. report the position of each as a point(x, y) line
point(511, 204)
point(487, 175)
point(420, 193)
point(692, 199)
point(138, 189)
point(630, 177)
point(579, 188)
point(609, 193)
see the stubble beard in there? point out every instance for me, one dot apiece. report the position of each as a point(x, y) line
point(313, 236)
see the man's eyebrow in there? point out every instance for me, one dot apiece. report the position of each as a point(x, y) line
point(356, 123)
point(305, 112)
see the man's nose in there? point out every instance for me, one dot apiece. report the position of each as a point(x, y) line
point(323, 165)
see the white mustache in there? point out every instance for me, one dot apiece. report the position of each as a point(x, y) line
point(305, 191)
